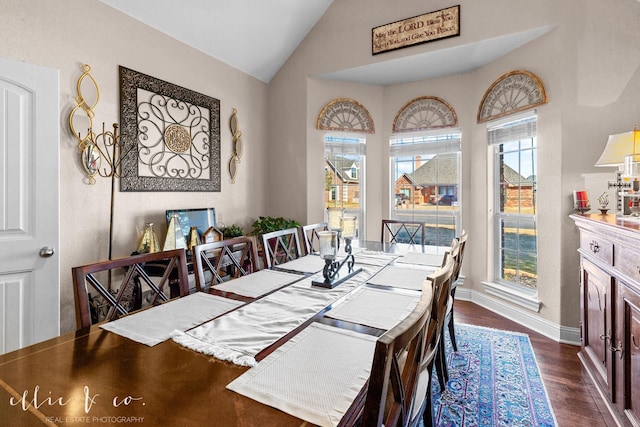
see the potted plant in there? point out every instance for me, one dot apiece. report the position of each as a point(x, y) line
point(234, 230)
point(267, 224)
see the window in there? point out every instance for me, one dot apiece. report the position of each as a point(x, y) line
point(513, 142)
point(425, 182)
point(344, 157)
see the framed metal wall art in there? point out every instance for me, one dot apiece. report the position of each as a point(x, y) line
point(171, 136)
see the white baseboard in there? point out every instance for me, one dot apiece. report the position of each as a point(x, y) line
point(558, 333)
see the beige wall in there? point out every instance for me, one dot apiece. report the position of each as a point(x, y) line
point(64, 35)
point(588, 63)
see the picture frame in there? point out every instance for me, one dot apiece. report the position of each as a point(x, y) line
point(581, 200)
point(170, 136)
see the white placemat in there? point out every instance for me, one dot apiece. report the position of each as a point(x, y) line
point(374, 258)
point(378, 308)
point(315, 376)
point(256, 284)
point(154, 325)
point(240, 335)
point(434, 260)
point(405, 277)
point(305, 264)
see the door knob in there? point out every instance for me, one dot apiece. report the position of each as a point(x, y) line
point(46, 252)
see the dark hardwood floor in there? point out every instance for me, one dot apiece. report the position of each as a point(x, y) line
point(573, 396)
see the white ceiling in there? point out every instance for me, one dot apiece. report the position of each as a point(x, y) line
point(254, 36)
point(257, 37)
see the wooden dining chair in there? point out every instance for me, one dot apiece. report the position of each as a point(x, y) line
point(309, 235)
point(396, 231)
point(120, 284)
point(444, 309)
point(218, 262)
point(433, 355)
point(455, 278)
point(397, 359)
point(280, 246)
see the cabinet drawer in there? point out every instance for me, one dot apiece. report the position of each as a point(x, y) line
point(597, 247)
point(628, 262)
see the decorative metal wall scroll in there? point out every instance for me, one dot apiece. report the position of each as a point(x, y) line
point(512, 92)
point(425, 112)
point(345, 115)
point(171, 135)
point(236, 152)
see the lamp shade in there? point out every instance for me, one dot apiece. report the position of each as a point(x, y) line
point(618, 146)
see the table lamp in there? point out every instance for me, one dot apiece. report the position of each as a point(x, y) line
point(622, 150)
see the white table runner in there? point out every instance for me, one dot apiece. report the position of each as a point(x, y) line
point(374, 258)
point(259, 283)
point(379, 308)
point(314, 376)
point(305, 264)
point(405, 277)
point(154, 325)
point(240, 335)
point(434, 260)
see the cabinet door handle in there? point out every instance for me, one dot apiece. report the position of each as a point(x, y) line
point(618, 349)
point(594, 246)
point(604, 337)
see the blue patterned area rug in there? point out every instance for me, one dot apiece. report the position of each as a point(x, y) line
point(494, 380)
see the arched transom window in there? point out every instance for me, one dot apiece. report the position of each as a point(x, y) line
point(425, 112)
point(345, 115)
point(512, 92)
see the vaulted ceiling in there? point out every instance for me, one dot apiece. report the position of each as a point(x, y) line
point(258, 36)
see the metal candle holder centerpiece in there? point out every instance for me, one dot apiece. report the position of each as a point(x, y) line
point(329, 242)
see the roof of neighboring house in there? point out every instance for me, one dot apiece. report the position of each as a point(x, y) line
point(442, 169)
point(513, 177)
point(342, 167)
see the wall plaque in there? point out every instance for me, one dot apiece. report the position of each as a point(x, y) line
point(431, 26)
point(170, 136)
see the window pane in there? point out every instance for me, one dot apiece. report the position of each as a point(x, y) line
point(518, 251)
point(515, 183)
point(344, 158)
point(425, 185)
point(517, 180)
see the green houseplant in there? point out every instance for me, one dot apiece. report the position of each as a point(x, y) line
point(234, 230)
point(267, 224)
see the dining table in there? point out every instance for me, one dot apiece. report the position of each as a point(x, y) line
point(281, 353)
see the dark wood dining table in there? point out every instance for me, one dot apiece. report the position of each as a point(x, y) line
point(93, 376)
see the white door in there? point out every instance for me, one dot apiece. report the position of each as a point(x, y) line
point(29, 260)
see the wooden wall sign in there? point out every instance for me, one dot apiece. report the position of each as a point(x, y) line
point(431, 26)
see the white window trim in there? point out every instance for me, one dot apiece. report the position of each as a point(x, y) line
point(521, 297)
point(358, 149)
point(452, 144)
point(513, 292)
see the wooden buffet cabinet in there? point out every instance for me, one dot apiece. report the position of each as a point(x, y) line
point(610, 310)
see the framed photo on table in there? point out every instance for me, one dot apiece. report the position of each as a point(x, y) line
point(170, 136)
point(581, 201)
